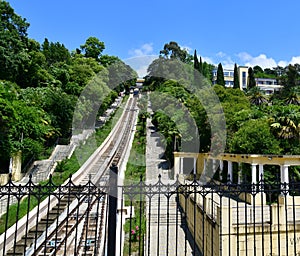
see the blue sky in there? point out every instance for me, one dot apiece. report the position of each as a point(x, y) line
point(257, 32)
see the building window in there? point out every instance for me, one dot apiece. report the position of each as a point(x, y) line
point(244, 80)
point(229, 83)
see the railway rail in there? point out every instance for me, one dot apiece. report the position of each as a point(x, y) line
point(73, 221)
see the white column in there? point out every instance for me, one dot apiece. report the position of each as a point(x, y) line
point(181, 166)
point(221, 165)
point(176, 166)
point(221, 169)
point(214, 165)
point(260, 172)
point(230, 170)
point(239, 174)
point(253, 170)
point(284, 173)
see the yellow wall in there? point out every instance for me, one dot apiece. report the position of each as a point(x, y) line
point(242, 69)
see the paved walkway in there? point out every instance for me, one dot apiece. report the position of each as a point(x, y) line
point(167, 236)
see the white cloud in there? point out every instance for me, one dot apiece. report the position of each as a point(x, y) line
point(295, 60)
point(220, 57)
point(207, 59)
point(141, 58)
point(221, 54)
point(224, 59)
point(245, 59)
point(145, 49)
point(140, 63)
point(244, 56)
point(283, 63)
point(263, 61)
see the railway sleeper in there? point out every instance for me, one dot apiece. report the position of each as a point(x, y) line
point(19, 250)
point(58, 210)
point(66, 200)
point(19, 247)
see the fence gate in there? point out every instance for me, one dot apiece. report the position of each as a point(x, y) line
point(150, 219)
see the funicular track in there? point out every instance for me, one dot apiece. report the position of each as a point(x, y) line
point(72, 220)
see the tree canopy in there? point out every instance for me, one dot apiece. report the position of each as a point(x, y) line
point(13, 43)
point(173, 51)
point(93, 48)
point(40, 85)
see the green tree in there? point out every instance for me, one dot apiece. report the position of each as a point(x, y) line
point(13, 42)
point(270, 72)
point(198, 65)
point(293, 97)
point(121, 76)
point(251, 79)
point(196, 62)
point(220, 75)
point(8, 93)
point(60, 72)
point(233, 101)
point(254, 137)
point(201, 66)
point(56, 103)
point(93, 48)
point(207, 69)
point(173, 51)
point(55, 52)
point(257, 97)
point(280, 71)
point(35, 72)
point(24, 127)
point(107, 60)
point(257, 70)
point(286, 128)
point(292, 76)
point(81, 72)
point(236, 80)
point(284, 121)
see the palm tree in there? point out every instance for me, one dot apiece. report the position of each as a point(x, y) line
point(286, 128)
point(293, 97)
point(257, 97)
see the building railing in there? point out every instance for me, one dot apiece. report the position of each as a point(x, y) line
point(187, 218)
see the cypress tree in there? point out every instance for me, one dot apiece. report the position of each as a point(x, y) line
point(201, 66)
point(196, 61)
point(220, 75)
point(236, 81)
point(251, 79)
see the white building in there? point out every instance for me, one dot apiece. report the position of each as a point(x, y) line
point(268, 85)
point(229, 77)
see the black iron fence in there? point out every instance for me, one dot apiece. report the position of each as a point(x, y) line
point(180, 218)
